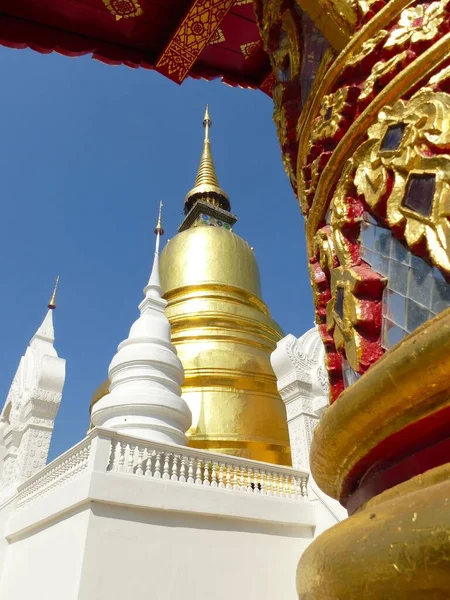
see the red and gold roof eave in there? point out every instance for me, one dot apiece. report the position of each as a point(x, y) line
point(227, 43)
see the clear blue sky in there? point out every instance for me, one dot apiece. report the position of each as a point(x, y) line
point(86, 152)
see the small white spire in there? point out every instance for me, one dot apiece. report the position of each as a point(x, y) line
point(46, 331)
point(146, 374)
point(154, 282)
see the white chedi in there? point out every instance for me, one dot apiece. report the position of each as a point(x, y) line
point(146, 375)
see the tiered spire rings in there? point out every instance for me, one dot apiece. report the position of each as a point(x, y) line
point(207, 186)
point(146, 374)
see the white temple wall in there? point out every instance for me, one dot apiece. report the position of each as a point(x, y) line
point(103, 550)
point(167, 555)
point(5, 512)
point(46, 563)
point(303, 385)
point(93, 525)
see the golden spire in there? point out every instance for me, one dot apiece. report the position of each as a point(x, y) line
point(159, 228)
point(52, 304)
point(206, 183)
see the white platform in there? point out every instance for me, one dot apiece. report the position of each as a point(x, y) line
point(118, 517)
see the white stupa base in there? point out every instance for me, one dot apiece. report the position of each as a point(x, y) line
point(156, 426)
point(90, 533)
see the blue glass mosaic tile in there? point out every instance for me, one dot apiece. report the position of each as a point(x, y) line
point(415, 291)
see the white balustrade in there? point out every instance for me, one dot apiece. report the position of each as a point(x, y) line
point(108, 451)
point(67, 467)
point(188, 465)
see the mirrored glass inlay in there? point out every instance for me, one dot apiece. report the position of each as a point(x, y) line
point(339, 304)
point(392, 333)
point(350, 376)
point(393, 137)
point(415, 291)
point(419, 195)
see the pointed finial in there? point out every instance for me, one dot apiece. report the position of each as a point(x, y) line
point(207, 123)
point(159, 229)
point(52, 304)
point(206, 187)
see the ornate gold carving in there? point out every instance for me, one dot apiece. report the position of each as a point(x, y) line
point(335, 18)
point(418, 23)
point(405, 80)
point(367, 47)
point(350, 310)
point(324, 249)
point(417, 386)
point(327, 80)
point(123, 9)
point(282, 33)
point(330, 116)
point(288, 54)
point(366, 5)
point(380, 69)
point(424, 125)
point(344, 283)
point(189, 41)
point(440, 77)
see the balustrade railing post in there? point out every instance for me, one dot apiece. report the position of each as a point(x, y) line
point(140, 466)
point(250, 483)
point(148, 467)
point(235, 478)
point(214, 474)
point(198, 472)
point(175, 459)
point(221, 475)
point(166, 467)
point(228, 478)
point(130, 463)
point(191, 470)
point(206, 473)
point(304, 487)
point(184, 460)
point(157, 471)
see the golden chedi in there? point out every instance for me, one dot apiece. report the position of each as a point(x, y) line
point(222, 329)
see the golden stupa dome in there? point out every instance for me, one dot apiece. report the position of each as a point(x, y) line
point(224, 336)
point(221, 328)
point(209, 255)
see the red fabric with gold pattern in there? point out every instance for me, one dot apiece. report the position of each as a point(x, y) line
point(136, 33)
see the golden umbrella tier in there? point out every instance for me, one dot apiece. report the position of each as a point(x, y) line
point(224, 336)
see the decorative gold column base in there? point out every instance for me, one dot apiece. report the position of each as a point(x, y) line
point(396, 547)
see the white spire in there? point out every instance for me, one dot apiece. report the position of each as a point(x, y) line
point(46, 332)
point(146, 374)
point(27, 418)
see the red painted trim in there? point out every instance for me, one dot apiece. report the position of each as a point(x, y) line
point(411, 451)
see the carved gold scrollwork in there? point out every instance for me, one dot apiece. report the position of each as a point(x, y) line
point(366, 5)
point(403, 171)
point(380, 69)
point(282, 34)
point(330, 116)
point(418, 23)
point(344, 313)
point(367, 48)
